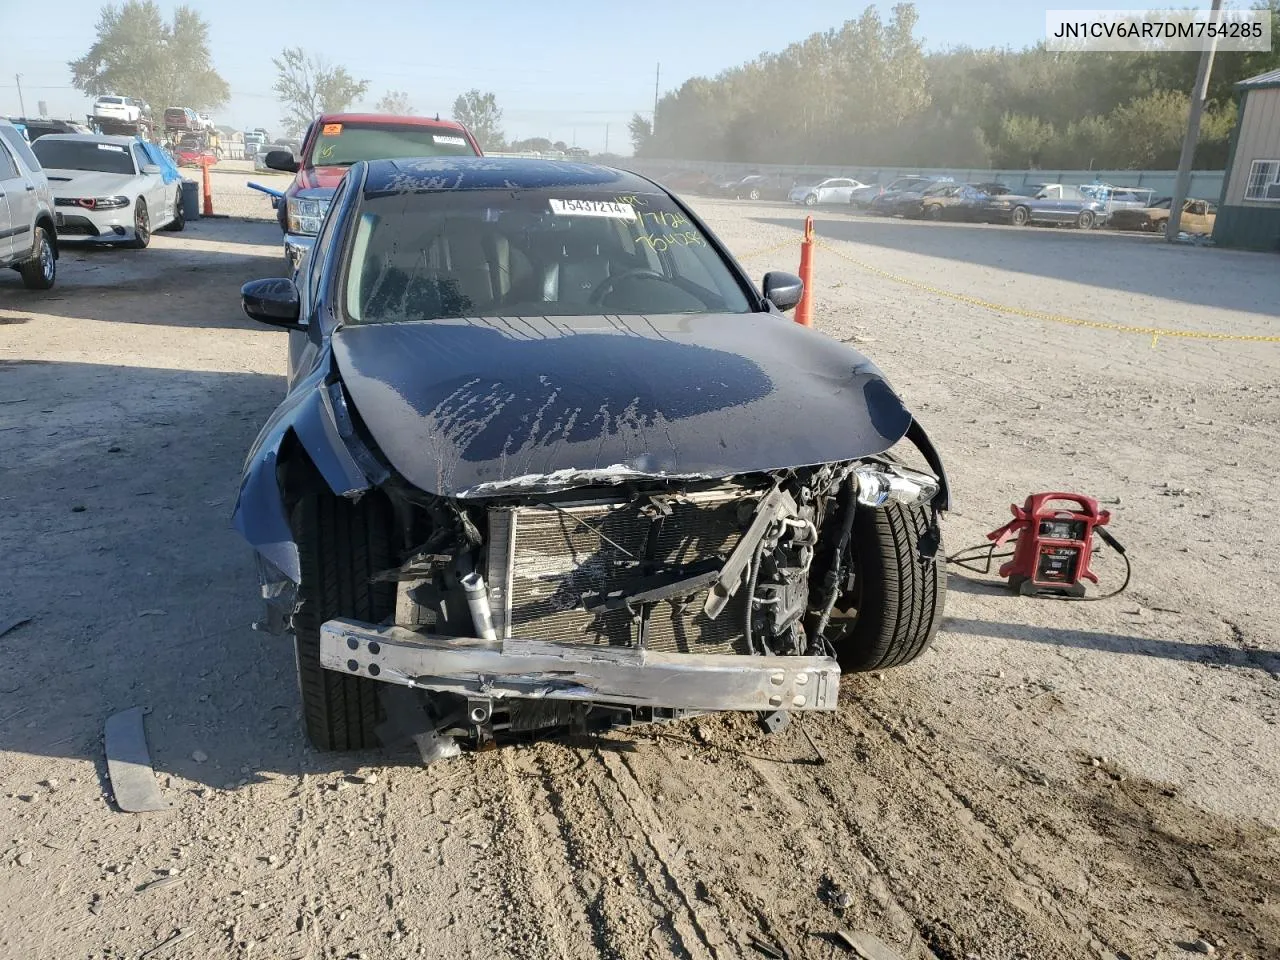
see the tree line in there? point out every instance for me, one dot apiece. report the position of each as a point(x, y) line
point(167, 63)
point(867, 94)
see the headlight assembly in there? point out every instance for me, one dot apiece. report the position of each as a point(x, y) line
point(305, 215)
point(878, 483)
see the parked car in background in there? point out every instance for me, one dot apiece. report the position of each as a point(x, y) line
point(1198, 216)
point(953, 201)
point(863, 197)
point(754, 186)
point(902, 197)
point(1051, 203)
point(690, 181)
point(831, 190)
point(432, 507)
point(109, 189)
point(28, 235)
point(125, 109)
point(333, 142)
point(35, 127)
point(182, 119)
point(902, 194)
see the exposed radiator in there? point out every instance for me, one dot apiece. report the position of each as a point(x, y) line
point(544, 560)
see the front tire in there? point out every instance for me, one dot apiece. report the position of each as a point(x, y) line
point(899, 594)
point(754, 194)
point(341, 545)
point(39, 272)
point(1021, 216)
point(933, 212)
point(1086, 220)
point(811, 201)
point(141, 226)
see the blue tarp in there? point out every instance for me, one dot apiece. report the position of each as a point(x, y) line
point(160, 157)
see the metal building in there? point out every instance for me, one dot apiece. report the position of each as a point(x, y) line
point(1249, 209)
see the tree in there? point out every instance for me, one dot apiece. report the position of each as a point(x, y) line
point(480, 113)
point(641, 131)
point(307, 87)
point(137, 54)
point(394, 102)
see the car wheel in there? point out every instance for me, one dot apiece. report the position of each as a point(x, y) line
point(341, 545)
point(1021, 216)
point(754, 194)
point(1163, 229)
point(179, 220)
point(899, 595)
point(1085, 220)
point(933, 212)
point(141, 226)
point(39, 272)
point(810, 200)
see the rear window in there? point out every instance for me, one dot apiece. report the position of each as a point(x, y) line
point(438, 256)
point(83, 155)
point(111, 100)
point(342, 144)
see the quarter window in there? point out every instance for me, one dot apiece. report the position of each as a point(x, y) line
point(1264, 181)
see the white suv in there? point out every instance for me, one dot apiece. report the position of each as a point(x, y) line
point(118, 108)
point(28, 240)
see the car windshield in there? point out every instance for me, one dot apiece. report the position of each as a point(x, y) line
point(434, 256)
point(342, 144)
point(83, 155)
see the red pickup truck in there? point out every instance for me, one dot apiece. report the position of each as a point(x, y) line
point(335, 141)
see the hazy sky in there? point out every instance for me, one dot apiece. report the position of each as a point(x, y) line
point(560, 68)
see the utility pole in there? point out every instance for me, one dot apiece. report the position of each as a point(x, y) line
point(606, 138)
point(21, 104)
point(657, 74)
point(1198, 94)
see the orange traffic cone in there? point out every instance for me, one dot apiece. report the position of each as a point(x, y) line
point(208, 190)
point(804, 309)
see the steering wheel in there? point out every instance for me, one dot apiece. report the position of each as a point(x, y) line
point(608, 283)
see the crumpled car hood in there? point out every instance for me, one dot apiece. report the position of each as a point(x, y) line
point(483, 407)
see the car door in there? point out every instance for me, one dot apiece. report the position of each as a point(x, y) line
point(152, 186)
point(839, 192)
point(17, 207)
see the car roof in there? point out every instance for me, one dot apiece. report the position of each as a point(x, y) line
point(439, 174)
point(91, 138)
point(388, 118)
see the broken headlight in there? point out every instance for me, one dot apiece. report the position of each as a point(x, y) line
point(878, 483)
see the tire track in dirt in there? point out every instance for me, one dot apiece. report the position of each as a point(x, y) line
point(536, 865)
point(623, 881)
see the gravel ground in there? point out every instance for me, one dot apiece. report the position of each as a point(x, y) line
point(1052, 780)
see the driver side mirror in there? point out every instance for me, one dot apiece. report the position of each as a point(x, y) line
point(282, 160)
point(150, 168)
point(273, 301)
point(783, 290)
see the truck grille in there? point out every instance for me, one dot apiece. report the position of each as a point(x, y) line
point(543, 561)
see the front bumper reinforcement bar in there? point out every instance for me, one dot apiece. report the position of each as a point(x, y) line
point(552, 671)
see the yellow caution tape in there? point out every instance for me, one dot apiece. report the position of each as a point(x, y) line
point(1155, 333)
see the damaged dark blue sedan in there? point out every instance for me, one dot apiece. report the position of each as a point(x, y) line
point(549, 461)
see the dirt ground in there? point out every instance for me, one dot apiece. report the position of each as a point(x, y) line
point(1052, 780)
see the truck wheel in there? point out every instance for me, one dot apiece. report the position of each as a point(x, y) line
point(899, 594)
point(39, 272)
point(341, 545)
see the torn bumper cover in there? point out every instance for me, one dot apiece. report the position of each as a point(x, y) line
point(540, 670)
